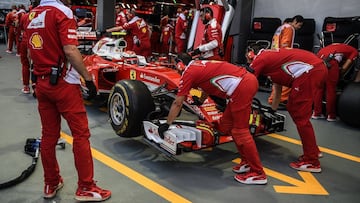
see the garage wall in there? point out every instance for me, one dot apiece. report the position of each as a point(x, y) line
point(317, 9)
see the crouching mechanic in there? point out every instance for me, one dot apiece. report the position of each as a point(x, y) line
point(305, 74)
point(224, 80)
point(333, 55)
point(52, 41)
point(211, 47)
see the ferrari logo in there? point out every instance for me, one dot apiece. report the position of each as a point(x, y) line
point(132, 74)
point(32, 15)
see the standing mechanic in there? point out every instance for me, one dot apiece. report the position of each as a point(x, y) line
point(25, 64)
point(305, 73)
point(139, 30)
point(211, 47)
point(19, 14)
point(120, 20)
point(230, 82)
point(181, 27)
point(284, 38)
point(11, 22)
point(52, 42)
point(166, 37)
point(333, 55)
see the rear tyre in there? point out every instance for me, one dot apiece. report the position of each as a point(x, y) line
point(129, 103)
point(349, 105)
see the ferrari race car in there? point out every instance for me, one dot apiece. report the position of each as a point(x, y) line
point(139, 95)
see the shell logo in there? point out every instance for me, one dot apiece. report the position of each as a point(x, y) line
point(143, 30)
point(36, 41)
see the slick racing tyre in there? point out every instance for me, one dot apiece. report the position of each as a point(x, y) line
point(129, 103)
point(349, 105)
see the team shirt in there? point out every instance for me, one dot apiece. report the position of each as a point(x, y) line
point(340, 52)
point(120, 19)
point(211, 41)
point(217, 78)
point(141, 34)
point(52, 25)
point(167, 32)
point(181, 26)
point(284, 65)
point(11, 18)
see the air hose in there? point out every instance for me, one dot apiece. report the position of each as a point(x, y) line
point(32, 148)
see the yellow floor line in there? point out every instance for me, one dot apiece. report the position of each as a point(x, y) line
point(133, 175)
point(323, 149)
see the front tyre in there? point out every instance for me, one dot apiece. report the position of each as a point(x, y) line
point(128, 105)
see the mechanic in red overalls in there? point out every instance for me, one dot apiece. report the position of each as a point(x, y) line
point(166, 37)
point(19, 14)
point(334, 55)
point(52, 40)
point(25, 69)
point(140, 33)
point(305, 73)
point(211, 44)
point(11, 22)
point(234, 83)
point(181, 27)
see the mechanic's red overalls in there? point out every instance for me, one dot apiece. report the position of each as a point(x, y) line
point(180, 33)
point(341, 53)
point(211, 42)
point(23, 50)
point(10, 22)
point(48, 32)
point(18, 35)
point(226, 80)
point(166, 37)
point(140, 30)
point(305, 73)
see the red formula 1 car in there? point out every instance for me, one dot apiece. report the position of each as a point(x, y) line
point(139, 95)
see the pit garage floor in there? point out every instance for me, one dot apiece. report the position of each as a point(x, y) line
point(137, 173)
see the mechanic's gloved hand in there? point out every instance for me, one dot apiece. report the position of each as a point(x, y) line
point(92, 92)
point(162, 128)
point(196, 52)
point(197, 101)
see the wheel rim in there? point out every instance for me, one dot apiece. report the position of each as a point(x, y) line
point(117, 109)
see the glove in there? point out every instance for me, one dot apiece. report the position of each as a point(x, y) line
point(92, 92)
point(196, 52)
point(197, 101)
point(162, 128)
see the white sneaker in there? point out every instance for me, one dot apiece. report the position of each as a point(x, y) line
point(331, 119)
point(251, 178)
point(321, 116)
point(241, 168)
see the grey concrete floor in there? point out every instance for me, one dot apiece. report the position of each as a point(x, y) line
point(136, 172)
